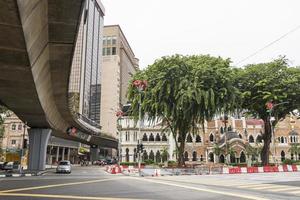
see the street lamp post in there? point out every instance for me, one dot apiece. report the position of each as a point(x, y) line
point(270, 107)
point(119, 127)
point(141, 86)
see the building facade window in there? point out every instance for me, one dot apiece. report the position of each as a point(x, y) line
point(13, 127)
point(20, 127)
point(145, 138)
point(189, 139)
point(13, 142)
point(211, 137)
point(151, 138)
point(198, 139)
point(91, 44)
point(251, 139)
point(157, 138)
point(164, 137)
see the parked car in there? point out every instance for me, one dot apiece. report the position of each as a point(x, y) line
point(64, 166)
point(111, 161)
point(1, 165)
point(8, 166)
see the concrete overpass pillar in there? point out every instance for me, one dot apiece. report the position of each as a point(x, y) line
point(94, 153)
point(69, 151)
point(57, 153)
point(38, 141)
point(63, 154)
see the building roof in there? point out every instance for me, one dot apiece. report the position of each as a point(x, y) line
point(254, 122)
point(229, 135)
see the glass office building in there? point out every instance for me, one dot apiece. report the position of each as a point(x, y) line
point(86, 67)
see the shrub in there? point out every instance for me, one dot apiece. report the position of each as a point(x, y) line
point(288, 161)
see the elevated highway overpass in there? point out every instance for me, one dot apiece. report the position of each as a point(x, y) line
point(37, 41)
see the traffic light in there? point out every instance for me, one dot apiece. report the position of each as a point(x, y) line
point(141, 147)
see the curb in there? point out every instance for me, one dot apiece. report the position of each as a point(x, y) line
point(16, 175)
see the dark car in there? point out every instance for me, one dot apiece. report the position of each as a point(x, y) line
point(8, 166)
point(111, 161)
point(2, 165)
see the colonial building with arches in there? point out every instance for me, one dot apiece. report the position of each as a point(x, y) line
point(219, 141)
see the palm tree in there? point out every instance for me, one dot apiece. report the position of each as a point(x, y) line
point(217, 151)
point(164, 154)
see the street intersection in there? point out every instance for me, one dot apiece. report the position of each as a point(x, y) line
point(95, 184)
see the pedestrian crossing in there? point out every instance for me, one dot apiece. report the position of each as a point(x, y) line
point(269, 187)
point(240, 184)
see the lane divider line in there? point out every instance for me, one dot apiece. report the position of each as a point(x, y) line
point(59, 185)
point(63, 196)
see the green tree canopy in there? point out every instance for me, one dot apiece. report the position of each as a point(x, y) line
point(269, 82)
point(184, 91)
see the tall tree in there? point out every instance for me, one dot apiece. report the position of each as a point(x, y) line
point(265, 83)
point(184, 91)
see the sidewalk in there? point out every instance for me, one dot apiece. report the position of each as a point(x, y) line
point(25, 172)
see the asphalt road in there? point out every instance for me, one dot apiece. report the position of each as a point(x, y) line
point(95, 184)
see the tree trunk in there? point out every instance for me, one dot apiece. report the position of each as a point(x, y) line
point(267, 136)
point(181, 161)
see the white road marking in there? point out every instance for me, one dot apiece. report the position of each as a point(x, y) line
point(243, 196)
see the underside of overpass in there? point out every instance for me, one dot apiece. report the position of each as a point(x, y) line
point(37, 39)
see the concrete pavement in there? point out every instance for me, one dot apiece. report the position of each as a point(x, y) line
point(94, 183)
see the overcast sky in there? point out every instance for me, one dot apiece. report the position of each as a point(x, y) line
point(228, 28)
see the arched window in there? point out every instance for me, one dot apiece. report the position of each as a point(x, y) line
point(189, 138)
point(232, 158)
point(20, 127)
point(151, 137)
point(164, 137)
point(211, 157)
point(259, 139)
point(240, 136)
point(198, 139)
point(221, 130)
point(157, 138)
point(282, 140)
point(222, 158)
point(251, 139)
point(186, 156)
point(201, 157)
point(145, 138)
point(292, 156)
point(229, 128)
point(282, 154)
point(194, 156)
point(127, 155)
point(211, 137)
point(164, 157)
point(151, 155)
point(158, 157)
point(145, 155)
point(242, 157)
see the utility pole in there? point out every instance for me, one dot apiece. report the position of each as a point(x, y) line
point(270, 106)
point(141, 86)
